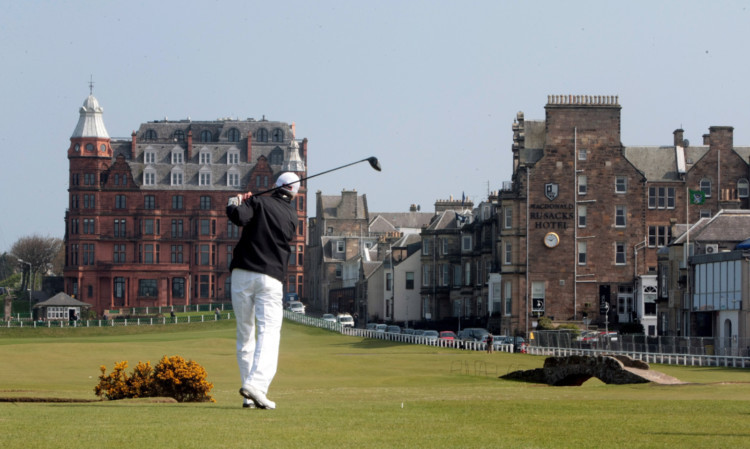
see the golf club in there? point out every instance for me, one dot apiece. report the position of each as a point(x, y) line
point(372, 160)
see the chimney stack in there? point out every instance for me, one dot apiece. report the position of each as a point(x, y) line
point(678, 137)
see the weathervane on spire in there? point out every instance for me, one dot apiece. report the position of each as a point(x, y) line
point(91, 85)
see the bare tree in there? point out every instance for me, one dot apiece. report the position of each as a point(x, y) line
point(37, 251)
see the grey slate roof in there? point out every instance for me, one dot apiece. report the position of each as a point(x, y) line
point(165, 141)
point(444, 220)
point(62, 299)
point(330, 205)
point(728, 225)
point(392, 221)
point(535, 133)
point(368, 268)
point(657, 163)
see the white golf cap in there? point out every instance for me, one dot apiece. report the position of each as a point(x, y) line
point(289, 182)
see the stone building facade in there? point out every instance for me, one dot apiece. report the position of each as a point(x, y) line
point(584, 215)
point(146, 224)
point(337, 233)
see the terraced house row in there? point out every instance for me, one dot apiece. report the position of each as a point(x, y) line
point(587, 230)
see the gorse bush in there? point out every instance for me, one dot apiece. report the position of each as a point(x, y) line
point(172, 377)
point(185, 381)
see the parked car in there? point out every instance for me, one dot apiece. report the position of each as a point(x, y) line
point(296, 307)
point(407, 331)
point(431, 335)
point(418, 332)
point(519, 344)
point(499, 340)
point(393, 329)
point(329, 317)
point(376, 327)
point(345, 320)
point(447, 335)
point(473, 334)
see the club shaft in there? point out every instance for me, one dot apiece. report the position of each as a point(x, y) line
point(313, 176)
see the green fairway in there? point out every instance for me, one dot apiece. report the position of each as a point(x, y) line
point(338, 391)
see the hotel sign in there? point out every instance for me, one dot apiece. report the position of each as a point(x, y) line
point(550, 190)
point(551, 216)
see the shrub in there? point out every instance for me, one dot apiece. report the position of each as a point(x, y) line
point(113, 385)
point(172, 377)
point(572, 328)
point(184, 381)
point(544, 323)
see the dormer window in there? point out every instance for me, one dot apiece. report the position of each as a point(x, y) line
point(178, 156)
point(149, 157)
point(204, 177)
point(233, 157)
point(149, 176)
point(149, 135)
point(276, 157)
point(177, 176)
point(233, 135)
point(205, 157)
point(277, 135)
point(233, 177)
point(179, 136)
point(261, 135)
point(206, 136)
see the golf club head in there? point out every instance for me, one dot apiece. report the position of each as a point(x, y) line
point(374, 163)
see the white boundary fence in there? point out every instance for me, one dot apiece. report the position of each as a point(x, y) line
point(401, 338)
point(650, 357)
point(687, 351)
point(123, 321)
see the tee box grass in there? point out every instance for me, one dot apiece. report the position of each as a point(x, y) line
point(333, 390)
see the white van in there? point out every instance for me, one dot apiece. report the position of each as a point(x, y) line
point(345, 320)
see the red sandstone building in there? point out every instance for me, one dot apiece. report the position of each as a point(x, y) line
point(584, 216)
point(146, 225)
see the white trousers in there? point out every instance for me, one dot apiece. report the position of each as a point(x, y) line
point(257, 303)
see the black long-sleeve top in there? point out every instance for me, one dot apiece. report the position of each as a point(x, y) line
point(268, 225)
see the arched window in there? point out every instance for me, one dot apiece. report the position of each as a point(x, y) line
point(706, 186)
point(278, 135)
point(276, 157)
point(261, 135)
point(233, 135)
point(149, 135)
point(179, 136)
point(743, 188)
point(206, 136)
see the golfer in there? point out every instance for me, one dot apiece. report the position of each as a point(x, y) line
point(258, 267)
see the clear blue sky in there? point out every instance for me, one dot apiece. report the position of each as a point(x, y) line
point(429, 87)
